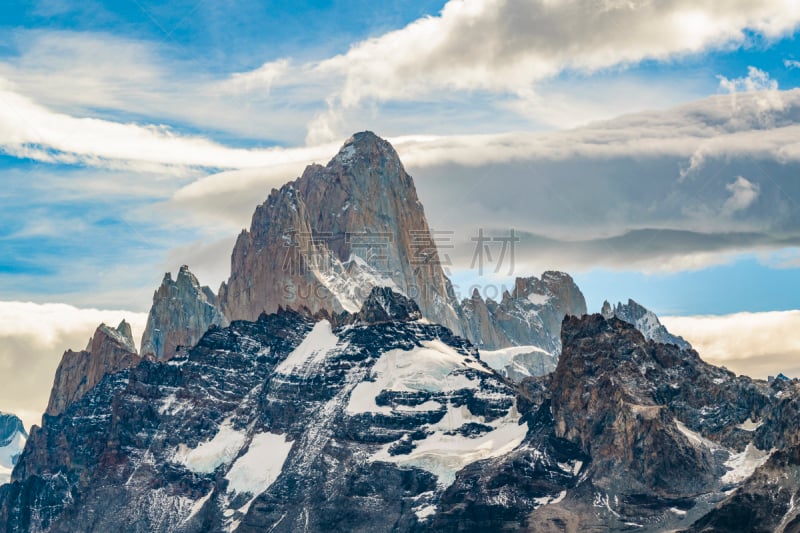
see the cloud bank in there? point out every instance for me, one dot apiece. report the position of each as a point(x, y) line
point(754, 344)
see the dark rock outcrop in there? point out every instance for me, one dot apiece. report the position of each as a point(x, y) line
point(385, 305)
point(663, 428)
point(110, 350)
point(383, 421)
point(279, 423)
point(181, 313)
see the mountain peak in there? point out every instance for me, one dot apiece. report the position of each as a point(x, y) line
point(181, 313)
point(644, 320)
point(110, 350)
point(385, 305)
point(366, 147)
point(326, 238)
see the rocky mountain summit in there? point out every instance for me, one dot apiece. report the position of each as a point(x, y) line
point(324, 240)
point(181, 313)
point(644, 320)
point(109, 350)
point(12, 440)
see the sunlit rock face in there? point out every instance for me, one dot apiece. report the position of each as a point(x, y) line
point(644, 320)
point(109, 350)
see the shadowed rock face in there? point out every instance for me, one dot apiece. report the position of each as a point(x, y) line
point(604, 403)
point(324, 240)
point(181, 313)
point(110, 350)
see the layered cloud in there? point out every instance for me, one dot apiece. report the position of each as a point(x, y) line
point(754, 344)
point(32, 339)
point(668, 190)
point(507, 46)
point(29, 130)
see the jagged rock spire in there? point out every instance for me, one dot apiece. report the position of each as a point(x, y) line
point(324, 240)
point(110, 350)
point(181, 313)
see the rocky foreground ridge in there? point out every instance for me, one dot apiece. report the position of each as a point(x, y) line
point(380, 420)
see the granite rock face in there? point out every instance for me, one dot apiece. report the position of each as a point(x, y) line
point(110, 350)
point(520, 335)
point(324, 240)
point(530, 315)
point(667, 433)
point(645, 321)
point(182, 311)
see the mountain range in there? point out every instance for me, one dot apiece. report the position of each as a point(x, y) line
point(335, 383)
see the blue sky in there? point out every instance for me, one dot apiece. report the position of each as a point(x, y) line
point(95, 225)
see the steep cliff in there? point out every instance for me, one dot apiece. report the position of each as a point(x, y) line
point(181, 313)
point(324, 240)
point(109, 351)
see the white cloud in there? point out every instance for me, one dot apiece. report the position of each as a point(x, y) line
point(755, 344)
point(743, 194)
point(32, 131)
point(32, 339)
point(691, 135)
point(507, 46)
point(791, 63)
point(260, 79)
point(756, 80)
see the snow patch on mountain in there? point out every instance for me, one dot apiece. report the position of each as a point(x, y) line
point(11, 445)
point(538, 299)
point(518, 362)
point(261, 465)
point(433, 367)
point(208, 456)
point(314, 348)
point(444, 452)
point(742, 465)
